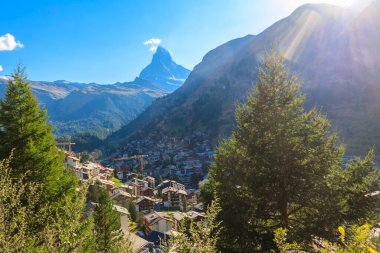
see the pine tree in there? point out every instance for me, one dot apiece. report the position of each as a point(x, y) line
point(108, 233)
point(24, 130)
point(280, 168)
point(200, 237)
point(66, 229)
point(17, 203)
point(132, 210)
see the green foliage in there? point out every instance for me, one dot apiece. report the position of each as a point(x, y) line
point(83, 141)
point(17, 217)
point(207, 192)
point(25, 132)
point(184, 204)
point(356, 184)
point(66, 231)
point(116, 181)
point(356, 239)
point(108, 233)
point(132, 211)
point(200, 237)
point(84, 157)
point(94, 192)
point(282, 245)
point(282, 168)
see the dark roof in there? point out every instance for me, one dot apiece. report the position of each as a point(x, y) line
point(155, 237)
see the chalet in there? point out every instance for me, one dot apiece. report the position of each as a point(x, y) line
point(171, 183)
point(173, 197)
point(140, 182)
point(192, 196)
point(72, 161)
point(122, 197)
point(195, 216)
point(159, 222)
point(148, 192)
point(192, 215)
point(108, 185)
point(145, 204)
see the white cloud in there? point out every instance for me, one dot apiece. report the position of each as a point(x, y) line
point(1, 68)
point(153, 43)
point(9, 43)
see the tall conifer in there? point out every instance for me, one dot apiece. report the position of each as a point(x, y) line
point(108, 232)
point(282, 168)
point(25, 131)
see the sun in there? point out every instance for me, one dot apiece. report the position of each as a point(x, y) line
point(344, 3)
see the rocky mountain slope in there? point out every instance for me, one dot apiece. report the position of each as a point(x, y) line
point(334, 50)
point(164, 72)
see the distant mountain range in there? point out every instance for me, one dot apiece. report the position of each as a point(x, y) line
point(334, 50)
point(101, 109)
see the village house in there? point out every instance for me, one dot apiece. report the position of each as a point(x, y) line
point(192, 196)
point(72, 161)
point(145, 204)
point(148, 192)
point(159, 222)
point(171, 183)
point(121, 197)
point(171, 197)
point(108, 185)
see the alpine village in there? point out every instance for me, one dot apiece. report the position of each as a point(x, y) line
point(269, 144)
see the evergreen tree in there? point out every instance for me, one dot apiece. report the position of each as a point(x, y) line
point(132, 211)
point(200, 237)
point(108, 233)
point(17, 203)
point(184, 204)
point(280, 169)
point(66, 229)
point(24, 130)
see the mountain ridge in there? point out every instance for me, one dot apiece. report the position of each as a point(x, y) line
point(320, 42)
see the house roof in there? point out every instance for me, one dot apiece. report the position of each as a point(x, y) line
point(172, 189)
point(73, 158)
point(121, 209)
point(199, 206)
point(89, 209)
point(141, 198)
point(178, 216)
point(137, 242)
point(154, 217)
point(194, 214)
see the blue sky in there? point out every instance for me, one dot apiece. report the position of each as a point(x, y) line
point(103, 40)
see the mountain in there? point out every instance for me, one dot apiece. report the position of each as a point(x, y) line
point(164, 72)
point(78, 108)
point(101, 109)
point(46, 92)
point(333, 49)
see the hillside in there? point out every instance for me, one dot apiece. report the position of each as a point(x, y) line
point(331, 48)
point(78, 108)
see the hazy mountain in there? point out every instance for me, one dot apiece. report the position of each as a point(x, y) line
point(46, 92)
point(164, 72)
point(333, 49)
point(101, 109)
